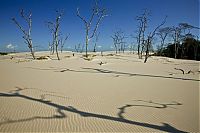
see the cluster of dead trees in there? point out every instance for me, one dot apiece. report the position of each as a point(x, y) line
point(119, 41)
point(54, 27)
point(91, 27)
point(179, 34)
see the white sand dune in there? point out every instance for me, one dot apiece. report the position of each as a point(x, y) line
point(75, 95)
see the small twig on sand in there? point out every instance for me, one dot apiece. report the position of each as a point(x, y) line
point(101, 63)
point(190, 72)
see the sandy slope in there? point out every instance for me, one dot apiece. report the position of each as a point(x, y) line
point(76, 95)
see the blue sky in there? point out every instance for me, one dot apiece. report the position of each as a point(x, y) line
point(122, 15)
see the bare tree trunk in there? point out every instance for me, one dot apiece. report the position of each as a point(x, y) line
point(175, 46)
point(57, 53)
point(86, 43)
point(96, 40)
point(32, 52)
point(147, 49)
point(142, 50)
point(94, 50)
point(56, 44)
point(139, 50)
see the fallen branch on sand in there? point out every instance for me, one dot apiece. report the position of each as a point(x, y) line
point(43, 58)
point(102, 63)
point(190, 71)
point(180, 70)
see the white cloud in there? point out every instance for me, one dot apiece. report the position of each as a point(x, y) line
point(10, 46)
point(111, 47)
point(99, 46)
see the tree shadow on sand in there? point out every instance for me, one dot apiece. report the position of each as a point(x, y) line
point(60, 108)
point(115, 73)
point(152, 105)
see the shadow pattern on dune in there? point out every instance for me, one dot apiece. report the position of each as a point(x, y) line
point(135, 74)
point(153, 105)
point(116, 73)
point(59, 108)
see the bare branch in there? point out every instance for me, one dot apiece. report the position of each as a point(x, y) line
point(78, 14)
point(20, 27)
point(154, 32)
point(102, 15)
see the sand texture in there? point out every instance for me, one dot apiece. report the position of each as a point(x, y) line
point(109, 93)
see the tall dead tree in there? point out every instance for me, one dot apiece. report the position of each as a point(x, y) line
point(96, 40)
point(150, 37)
point(143, 21)
point(97, 12)
point(115, 42)
point(26, 32)
point(176, 35)
point(62, 42)
point(54, 28)
point(163, 33)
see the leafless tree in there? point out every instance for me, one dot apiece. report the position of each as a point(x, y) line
point(97, 12)
point(79, 48)
point(96, 40)
point(143, 21)
point(62, 42)
point(54, 28)
point(115, 42)
point(119, 41)
point(150, 37)
point(176, 35)
point(186, 30)
point(163, 33)
point(51, 44)
point(26, 33)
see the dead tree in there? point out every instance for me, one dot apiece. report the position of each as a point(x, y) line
point(186, 33)
point(78, 48)
point(115, 43)
point(96, 40)
point(26, 33)
point(150, 37)
point(54, 28)
point(176, 35)
point(163, 33)
point(89, 33)
point(62, 42)
point(51, 44)
point(143, 21)
point(119, 41)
